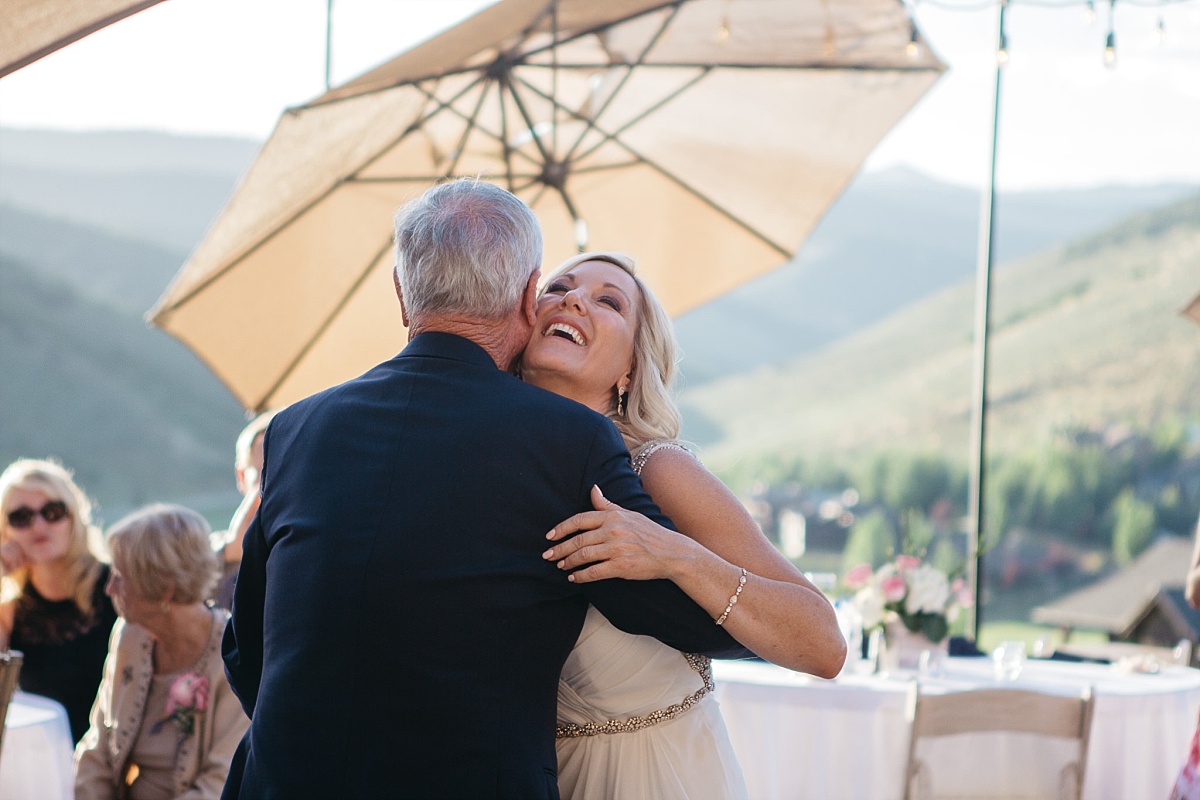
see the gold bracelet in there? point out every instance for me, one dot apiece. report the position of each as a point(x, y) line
point(733, 600)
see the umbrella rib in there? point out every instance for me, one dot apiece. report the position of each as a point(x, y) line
point(439, 104)
point(350, 178)
point(454, 111)
point(430, 179)
point(470, 126)
point(600, 27)
point(811, 66)
point(323, 327)
point(605, 167)
point(612, 135)
point(524, 112)
point(554, 76)
point(507, 150)
point(465, 69)
point(662, 29)
point(706, 201)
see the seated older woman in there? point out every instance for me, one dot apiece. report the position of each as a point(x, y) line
point(165, 723)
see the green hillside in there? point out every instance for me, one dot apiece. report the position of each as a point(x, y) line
point(119, 271)
point(135, 415)
point(1086, 334)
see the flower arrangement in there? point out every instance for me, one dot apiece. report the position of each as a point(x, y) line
point(187, 697)
point(918, 594)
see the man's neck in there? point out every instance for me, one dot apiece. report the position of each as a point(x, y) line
point(500, 338)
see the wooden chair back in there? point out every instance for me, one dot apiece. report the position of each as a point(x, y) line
point(10, 670)
point(997, 711)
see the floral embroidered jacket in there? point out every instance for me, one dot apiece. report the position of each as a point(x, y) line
point(204, 757)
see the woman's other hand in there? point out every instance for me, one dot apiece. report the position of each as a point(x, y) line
point(612, 542)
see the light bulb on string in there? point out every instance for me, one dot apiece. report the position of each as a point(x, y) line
point(1089, 13)
point(1002, 50)
point(723, 31)
point(913, 48)
point(1161, 30)
point(1110, 43)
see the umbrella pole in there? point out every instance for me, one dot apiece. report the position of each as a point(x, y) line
point(983, 286)
point(328, 40)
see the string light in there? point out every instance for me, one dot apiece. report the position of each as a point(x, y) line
point(723, 31)
point(1110, 44)
point(913, 48)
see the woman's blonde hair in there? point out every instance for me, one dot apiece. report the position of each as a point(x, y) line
point(649, 409)
point(86, 549)
point(164, 550)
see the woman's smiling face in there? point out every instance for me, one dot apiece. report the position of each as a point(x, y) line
point(582, 344)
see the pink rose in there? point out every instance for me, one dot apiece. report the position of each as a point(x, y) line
point(858, 576)
point(893, 588)
point(189, 691)
point(907, 562)
point(962, 592)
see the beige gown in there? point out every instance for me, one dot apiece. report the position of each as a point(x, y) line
point(655, 727)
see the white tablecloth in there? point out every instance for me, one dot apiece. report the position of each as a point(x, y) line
point(36, 761)
point(802, 737)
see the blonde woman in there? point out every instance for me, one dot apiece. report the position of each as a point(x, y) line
point(636, 718)
point(165, 723)
point(54, 610)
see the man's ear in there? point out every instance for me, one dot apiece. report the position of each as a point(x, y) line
point(400, 294)
point(529, 298)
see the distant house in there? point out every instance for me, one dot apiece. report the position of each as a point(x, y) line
point(1143, 603)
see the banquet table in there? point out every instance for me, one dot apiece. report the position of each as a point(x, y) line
point(802, 737)
point(36, 755)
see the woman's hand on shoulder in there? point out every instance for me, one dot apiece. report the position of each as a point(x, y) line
point(612, 542)
point(12, 556)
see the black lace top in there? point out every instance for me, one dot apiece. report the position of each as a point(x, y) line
point(64, 650)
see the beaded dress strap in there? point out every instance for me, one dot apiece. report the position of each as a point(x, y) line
point(643, 453)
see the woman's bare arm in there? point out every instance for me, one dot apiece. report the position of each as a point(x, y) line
point(1192, 585)
point(779, 614)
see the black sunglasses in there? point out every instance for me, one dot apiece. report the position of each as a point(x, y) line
point(51, 512)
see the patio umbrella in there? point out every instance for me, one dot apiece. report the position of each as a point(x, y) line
point(706, 137)
point(36, 28)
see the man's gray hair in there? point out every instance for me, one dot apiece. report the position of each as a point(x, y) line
point(466, 247)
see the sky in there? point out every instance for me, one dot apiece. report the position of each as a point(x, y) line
point(229, 67)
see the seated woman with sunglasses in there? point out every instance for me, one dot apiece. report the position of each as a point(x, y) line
point(55, 609)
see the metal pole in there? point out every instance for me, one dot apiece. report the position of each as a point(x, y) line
point(328, 39)
point(983, 286)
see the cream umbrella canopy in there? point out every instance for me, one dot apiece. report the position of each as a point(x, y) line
point(706, 137)
point(33, 29)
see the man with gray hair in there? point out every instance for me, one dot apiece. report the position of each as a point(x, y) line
point(396, 632)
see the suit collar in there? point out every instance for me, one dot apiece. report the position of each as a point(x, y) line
point(447, 345)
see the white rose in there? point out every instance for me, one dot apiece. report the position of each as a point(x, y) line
point(928, 591)
point(869, 601)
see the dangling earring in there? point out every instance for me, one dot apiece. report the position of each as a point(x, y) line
point(620, 401)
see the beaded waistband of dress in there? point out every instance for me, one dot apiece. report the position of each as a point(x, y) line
point(702, 665)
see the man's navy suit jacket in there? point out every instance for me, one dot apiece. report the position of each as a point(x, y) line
point(395, 631)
